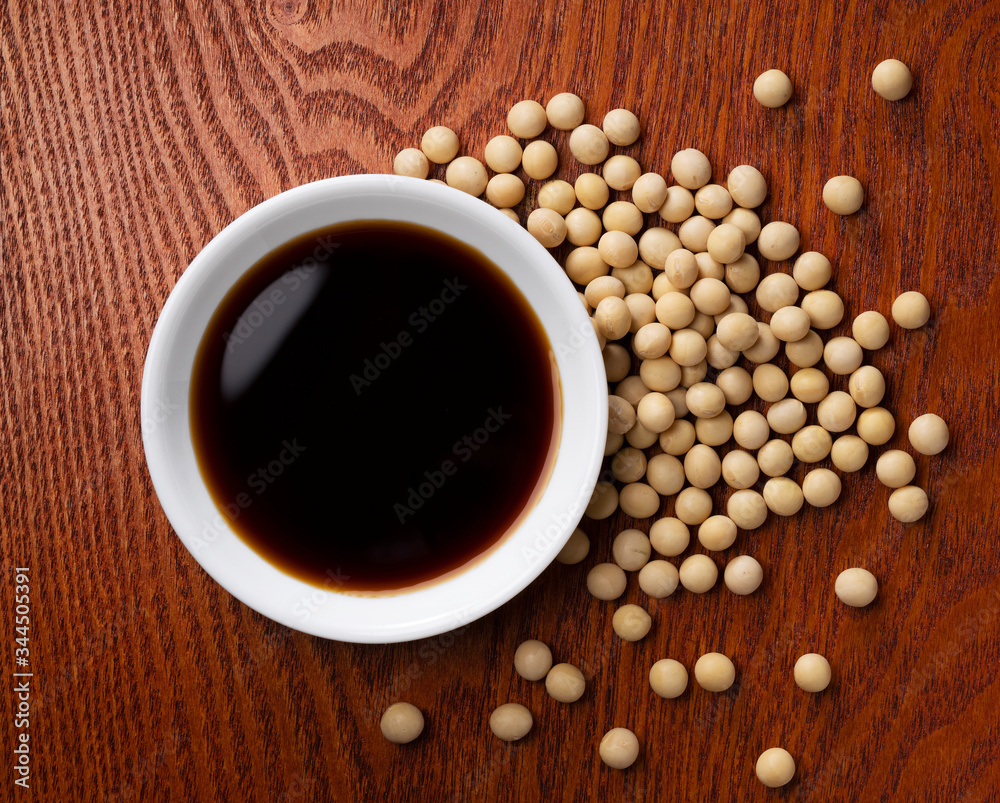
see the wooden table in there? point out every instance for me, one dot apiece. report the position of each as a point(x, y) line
point(134, 131)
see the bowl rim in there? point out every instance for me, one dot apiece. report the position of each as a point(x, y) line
point(502, 572)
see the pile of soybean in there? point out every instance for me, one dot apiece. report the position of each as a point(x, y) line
point(667, 266)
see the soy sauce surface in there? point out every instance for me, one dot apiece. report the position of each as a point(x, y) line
point(374, 405)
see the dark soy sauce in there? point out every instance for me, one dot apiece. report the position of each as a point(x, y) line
point(374, 405)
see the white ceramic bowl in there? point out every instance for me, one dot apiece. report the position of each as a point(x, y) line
point(439, 606)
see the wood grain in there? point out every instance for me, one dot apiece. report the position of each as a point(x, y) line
point(134, 131)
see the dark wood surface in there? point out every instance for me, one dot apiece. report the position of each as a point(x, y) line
point(134, 132)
